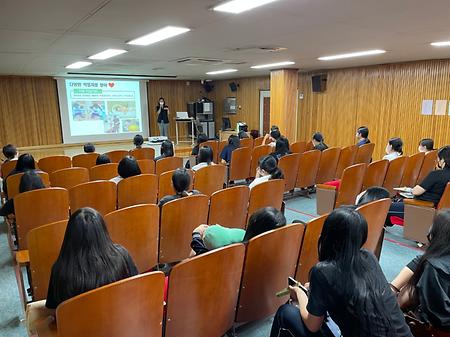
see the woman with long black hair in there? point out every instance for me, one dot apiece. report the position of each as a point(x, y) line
point(267, 169)
point(347, 283)
point(423, 286)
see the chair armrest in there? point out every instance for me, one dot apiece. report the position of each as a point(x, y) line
point(22, 257)
point(419, 203)
point(326, 187)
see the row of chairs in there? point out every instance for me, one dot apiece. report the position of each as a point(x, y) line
point(243, 279)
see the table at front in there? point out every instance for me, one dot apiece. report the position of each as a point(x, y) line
point(190, 120)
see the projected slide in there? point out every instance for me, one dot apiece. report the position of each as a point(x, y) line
point(103, 107)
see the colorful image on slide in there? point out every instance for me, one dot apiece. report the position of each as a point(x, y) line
point(88, 110)
point(112, 124)
point(131, 125)
point(122, 109)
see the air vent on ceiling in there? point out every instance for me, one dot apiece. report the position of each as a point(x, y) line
point(195, 61)
point(271, 49)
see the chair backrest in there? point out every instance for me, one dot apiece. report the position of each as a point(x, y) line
point(165, 186)
point(445, 199)
point(100, 195)
point(309, 146)
point(101, 312)
point(103, 172)
point(351, 184)
point(140, 189)
point(267, 194)
point(257, 153)
point(54, 163)
point(289, 165)
point(69, 177)
point(221, 145)
point(346, 159)
point(364, 153)
point(394, 174)
point(117, 155)
point(228, 207)
point(412, 169)
point(327, 165)
point(136, 228)
point(258, 141)
point(214, 145)
point(13, 182)
point(177, 226)
point(375, 214)
point(309, 254)
point(168, 164)
point(39, 207)
point(308, 166)
point(270, 258)
point(429, 162)
point(147, 166)
point(210, 179)
point(246, 142)
point(375, 173)
point(240, 163)
point(143, 153)
point(298, 147)
point(44, 245)
point(198, 313)
point(7, 167)
point(86, 160)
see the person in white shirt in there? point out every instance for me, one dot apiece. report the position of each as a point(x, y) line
point(267, 169)
point(273, 136)
point(394, 148)
point(128, 167)
point(205, 158)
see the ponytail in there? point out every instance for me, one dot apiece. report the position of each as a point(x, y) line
point(277, 174)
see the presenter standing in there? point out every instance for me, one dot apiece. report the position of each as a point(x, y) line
point(162, 111)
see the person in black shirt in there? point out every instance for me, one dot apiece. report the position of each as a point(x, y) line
point(318, 142)
point(138, 140)
point(233, 144)
point(201, 138)
point(25, 163)
point(362, 134)
point(162, 111)
point(181, 180)
point(431, 188)
point(347, 283)
point(166, 150)
point(423, 286)
point(281, 148)
point(102, 159)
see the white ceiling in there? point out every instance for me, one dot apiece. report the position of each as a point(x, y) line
point(41, 37)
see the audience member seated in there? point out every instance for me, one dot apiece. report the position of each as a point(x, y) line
point(347, 283)
point(318, 142)
point(206, 238)
point(254, 134)
point(10, 152)
point(430, 189)
point(273, 136)
point(89, 148)
point(281, 148)
point(394, 149)
point(372, 194)
point(181, 180)
point(25, 163)
point(138, 140)
point(242, 134)
point(362, 134)
point(128, 167)
point(166, 150)
point(233, 144)
point(201, 138)
point(205, 158)
point(102, 159)
point(423, 286)
point(29, 181)
point(267, 169)
point(426, 145)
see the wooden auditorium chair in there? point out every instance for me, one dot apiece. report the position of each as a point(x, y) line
point(129, 307)
point(210, 179)
point(289, 165)
point(147, 166)
point(257, 153)
point(329, 198)
point(214, 145)
point(364, 154)
point(346, 159)
point(137, 229)
point(298, 147)
point(258, 141)
point(267, 194)
point(168, 164)
point(308, 166)
point(375, 174)
point(99, 195)
point(165, 186)
point(143, 153)
point(412, 169)
point(221, 145)
point(428, 165)
point(86, 160)
point(69, 177)
point(309, 146)
point(241, 159)
point(192, 310)
point(394, 174)
point(419, 216)
point(13, 182)
point(328, 165)
point(7, 167)
point(103, 172)
point(54, 163)
point(246, 142)
point(176, 226)
point(140, 189)
point(228, 207)
point(269, 260)
point(116, 155)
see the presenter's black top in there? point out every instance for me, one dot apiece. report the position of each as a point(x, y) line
point(163, 116)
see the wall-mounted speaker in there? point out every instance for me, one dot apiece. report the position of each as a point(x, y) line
point(208, 86)
point(234, 86)
point(319, 83)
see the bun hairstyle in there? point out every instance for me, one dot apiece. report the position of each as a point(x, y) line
point(396, 144)
point(318, 137)
point(270, 165)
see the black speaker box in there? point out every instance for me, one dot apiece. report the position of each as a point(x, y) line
point(319, 83)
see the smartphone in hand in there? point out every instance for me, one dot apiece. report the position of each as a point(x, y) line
point(294, 283)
